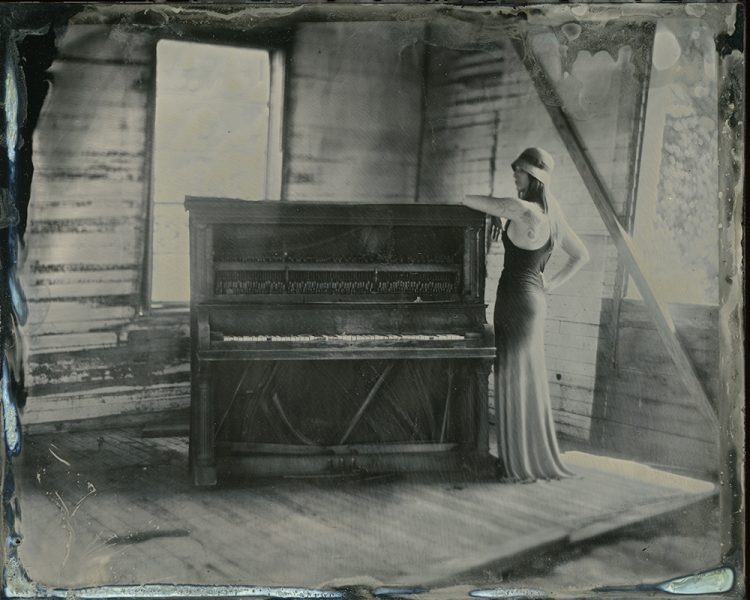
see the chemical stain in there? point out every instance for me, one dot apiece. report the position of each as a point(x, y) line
point(11, 421)
point(667, 49)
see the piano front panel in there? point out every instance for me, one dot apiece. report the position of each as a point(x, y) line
point(314, 405)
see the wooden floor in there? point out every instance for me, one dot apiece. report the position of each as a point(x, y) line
point(114, 507)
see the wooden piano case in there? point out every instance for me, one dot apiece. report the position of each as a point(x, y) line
point(331, 338)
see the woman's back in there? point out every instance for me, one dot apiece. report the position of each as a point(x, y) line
point(522, 269)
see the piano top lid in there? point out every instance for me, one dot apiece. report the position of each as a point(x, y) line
point(234, 210)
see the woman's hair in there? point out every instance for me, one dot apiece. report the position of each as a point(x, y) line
point(536, 192)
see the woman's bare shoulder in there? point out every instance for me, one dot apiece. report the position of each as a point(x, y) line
point(530, 231)
point(533, 215)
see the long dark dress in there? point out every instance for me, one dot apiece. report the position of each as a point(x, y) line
point(527, 444)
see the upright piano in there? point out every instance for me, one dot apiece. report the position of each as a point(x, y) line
point(337, 338)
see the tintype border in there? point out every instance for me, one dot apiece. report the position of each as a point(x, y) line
point(20, 20)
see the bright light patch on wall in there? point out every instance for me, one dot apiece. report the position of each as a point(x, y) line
point(210, 139)
point(676, 212)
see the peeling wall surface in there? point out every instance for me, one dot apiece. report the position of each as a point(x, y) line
point(90, 356)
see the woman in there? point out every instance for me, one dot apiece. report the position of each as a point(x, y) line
point(535, 225)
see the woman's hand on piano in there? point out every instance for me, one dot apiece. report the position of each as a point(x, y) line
point(496, 226)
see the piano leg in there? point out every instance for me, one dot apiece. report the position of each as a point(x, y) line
point(482, 407)
point(204, 466)
point(482, 401)
point(481, 462)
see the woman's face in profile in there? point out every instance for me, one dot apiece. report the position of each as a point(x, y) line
point(521, 179)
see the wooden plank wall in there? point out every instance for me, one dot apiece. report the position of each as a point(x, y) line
point(353, 126)
point(646, 413)
point(89, 355)
point(354, 116)
point(482, 111)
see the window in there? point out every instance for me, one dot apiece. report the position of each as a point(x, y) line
point(217, 133)
point(676, 216)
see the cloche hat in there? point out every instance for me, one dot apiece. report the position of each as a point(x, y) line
point(537, 162)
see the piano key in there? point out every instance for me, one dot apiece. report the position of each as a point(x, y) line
point(345, 337)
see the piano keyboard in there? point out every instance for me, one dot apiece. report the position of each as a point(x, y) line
point(343, 338)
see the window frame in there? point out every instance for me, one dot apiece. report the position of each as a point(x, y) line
point(275, 145)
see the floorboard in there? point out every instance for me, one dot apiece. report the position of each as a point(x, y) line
point(131, 515)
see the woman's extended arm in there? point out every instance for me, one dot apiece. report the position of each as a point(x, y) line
point(577, 253)
point(507, 208)
point(524, 213)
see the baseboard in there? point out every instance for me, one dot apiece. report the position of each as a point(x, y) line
point(152, 424)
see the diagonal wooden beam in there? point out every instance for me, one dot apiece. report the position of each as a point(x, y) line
point(627, 250)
